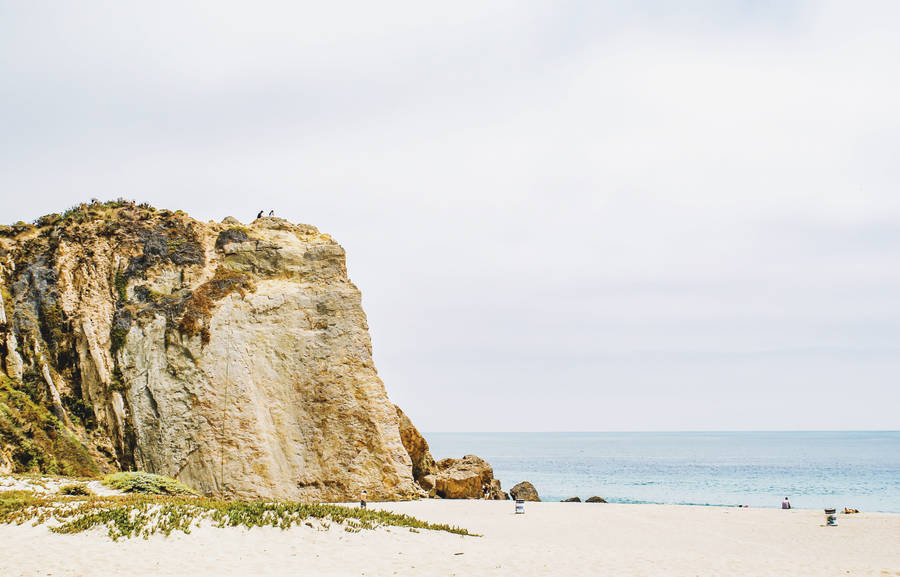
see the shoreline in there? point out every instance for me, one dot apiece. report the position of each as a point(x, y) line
point(49, 484)
point(549, 539)
point(704, 505)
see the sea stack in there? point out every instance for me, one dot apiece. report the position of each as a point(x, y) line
point(233, 357)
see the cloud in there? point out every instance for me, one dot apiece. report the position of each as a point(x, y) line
point(618, 201)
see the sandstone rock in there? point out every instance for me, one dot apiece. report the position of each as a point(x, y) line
point(6, 464)
point(234, 358)
point(14, 364)
point(462, 478)
point(496, 493)
point(422, 462)
point(55, 399)
point(524, 490)
point(595, 499)
point(571, 500)
point(427, 483)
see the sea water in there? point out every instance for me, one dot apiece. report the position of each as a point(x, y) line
point(815, 470)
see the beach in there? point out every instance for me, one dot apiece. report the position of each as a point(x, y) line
point(549, 539)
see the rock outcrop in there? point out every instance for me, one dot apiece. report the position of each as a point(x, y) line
point(423, 464)
point(571, 500)
point(525, 491)
point(463, 479)
point(235, 358)
point(595, 499)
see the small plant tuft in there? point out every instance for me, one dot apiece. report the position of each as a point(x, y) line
point(76, 489)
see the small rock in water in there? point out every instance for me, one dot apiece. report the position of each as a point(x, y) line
point(596, 499)
point(571, 500)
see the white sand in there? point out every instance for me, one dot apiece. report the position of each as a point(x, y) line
point(550, 539)
point(50, 485)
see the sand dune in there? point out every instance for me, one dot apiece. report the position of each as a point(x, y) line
point(550, 539)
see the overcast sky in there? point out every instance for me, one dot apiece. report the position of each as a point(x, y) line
point(561, 215)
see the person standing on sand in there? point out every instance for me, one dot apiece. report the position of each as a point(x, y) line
point(785, 504)
point(486, 490)
point(362, 499)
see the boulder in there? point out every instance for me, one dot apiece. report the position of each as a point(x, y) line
point(524, 490)
point(462, 478)
point(427, 483)
point(571, 500)
point(596, 499)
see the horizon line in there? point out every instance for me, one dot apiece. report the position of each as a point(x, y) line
point(680, 431)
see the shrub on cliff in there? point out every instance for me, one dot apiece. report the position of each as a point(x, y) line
point(146, 483)
point(35, 440)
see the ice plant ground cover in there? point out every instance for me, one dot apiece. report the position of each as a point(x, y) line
point(146, 483)
point(144, 515)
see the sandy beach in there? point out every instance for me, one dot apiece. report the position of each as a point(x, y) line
point(549, 539)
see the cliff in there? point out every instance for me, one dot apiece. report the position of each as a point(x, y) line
point(235, 358)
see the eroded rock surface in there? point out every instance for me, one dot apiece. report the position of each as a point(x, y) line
point(235, 358)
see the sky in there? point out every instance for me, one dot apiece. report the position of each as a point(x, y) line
point(562, 216)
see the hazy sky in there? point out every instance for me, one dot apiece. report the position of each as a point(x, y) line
point(561, 215)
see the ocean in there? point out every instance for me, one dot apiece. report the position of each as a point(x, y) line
point(815, 470)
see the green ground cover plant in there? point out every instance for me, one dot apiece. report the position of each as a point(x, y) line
point(145, 515)
point(146, 483)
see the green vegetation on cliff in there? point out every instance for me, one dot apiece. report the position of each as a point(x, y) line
point(34, 439)
point(136, 238)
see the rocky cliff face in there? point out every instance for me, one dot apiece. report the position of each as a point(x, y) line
point(233, 357)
